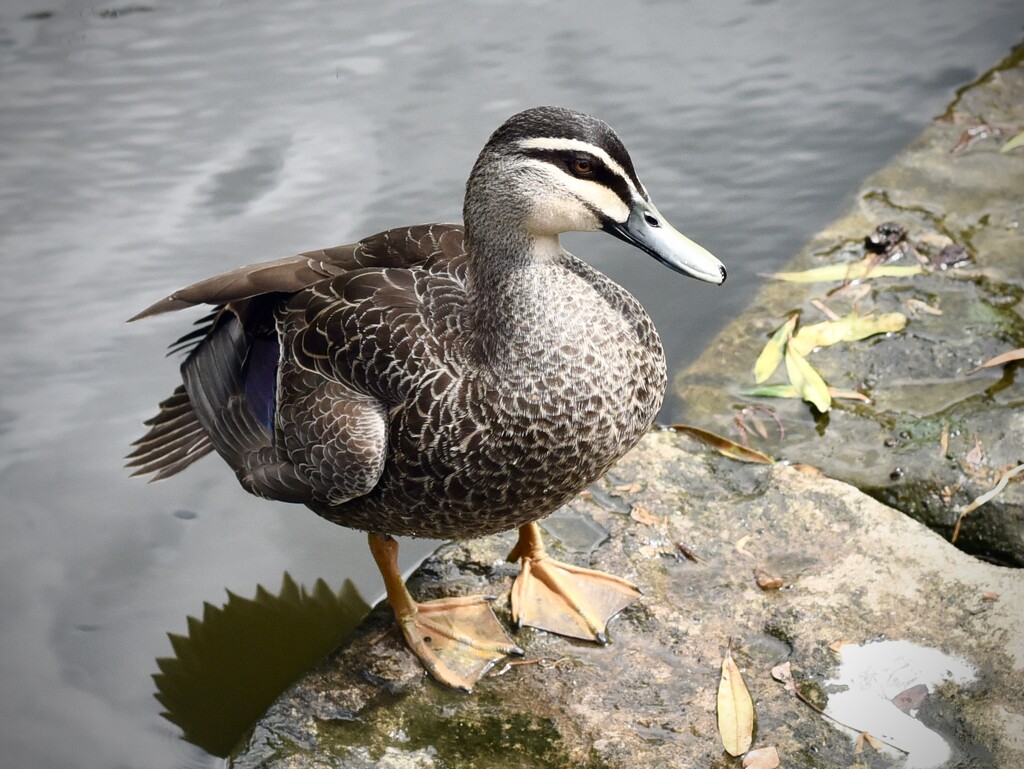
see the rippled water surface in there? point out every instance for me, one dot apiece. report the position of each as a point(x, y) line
point(146, 145)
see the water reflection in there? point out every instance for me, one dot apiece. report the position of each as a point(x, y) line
point(239, 657)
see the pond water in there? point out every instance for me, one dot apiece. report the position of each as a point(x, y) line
point(148, 144)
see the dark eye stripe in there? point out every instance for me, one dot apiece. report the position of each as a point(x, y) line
point(599, 173)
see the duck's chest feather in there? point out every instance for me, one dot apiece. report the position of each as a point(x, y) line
point(512, 424)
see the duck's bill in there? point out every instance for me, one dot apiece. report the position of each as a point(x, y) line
point(648, 230)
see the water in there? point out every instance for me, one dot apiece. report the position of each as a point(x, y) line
point(145, 145)
point(879, 688)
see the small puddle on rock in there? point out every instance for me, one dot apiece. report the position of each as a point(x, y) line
point(880, 688)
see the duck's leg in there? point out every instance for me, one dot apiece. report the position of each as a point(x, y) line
point(563, 598)
point(456, 639)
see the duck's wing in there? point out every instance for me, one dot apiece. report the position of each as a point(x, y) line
point(229, 394)
point(406, 247)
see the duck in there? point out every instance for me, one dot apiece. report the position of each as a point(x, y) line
point(442, 380)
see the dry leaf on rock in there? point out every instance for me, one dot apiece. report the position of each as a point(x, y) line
point(741, 545)
point(642, 515)
point(836, 646)
point(762, 758)
point(911, 699)
point(767, 581)
point(735, 709)
point(783, 673)
point(724, 446)
point(851, 328)
point(688, 553)
point(1000, 485)
point(865, 737)
point(999, 360)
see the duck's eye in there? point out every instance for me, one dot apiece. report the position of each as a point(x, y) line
point(582, 166)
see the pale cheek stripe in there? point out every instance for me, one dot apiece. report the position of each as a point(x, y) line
point(552, 143)
point(594, 194)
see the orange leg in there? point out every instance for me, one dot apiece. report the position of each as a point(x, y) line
point(563, 598)
point(456, 639)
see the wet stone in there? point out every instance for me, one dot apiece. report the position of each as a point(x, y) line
point(854, 570)
point(959, 214)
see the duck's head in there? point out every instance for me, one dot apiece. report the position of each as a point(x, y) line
point(550, 170)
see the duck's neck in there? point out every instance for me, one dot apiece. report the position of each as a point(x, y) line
point(510, 290)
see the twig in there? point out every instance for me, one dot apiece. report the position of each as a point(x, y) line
point(1003, 480)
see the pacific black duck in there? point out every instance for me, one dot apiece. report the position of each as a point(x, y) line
point(444, 381)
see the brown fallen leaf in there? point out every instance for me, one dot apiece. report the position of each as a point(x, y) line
point(783, 673)
point(999, 360)
point(767, 581)
point(976, 455)
point(762, 758)
point(724, 446)
point(1004, 478)
point(631, 488)
point(642, 515)
point(858, 746)
point(944, 440)
point(836, 646)
point(910, 699)
point(735, 709)
point(688, 553)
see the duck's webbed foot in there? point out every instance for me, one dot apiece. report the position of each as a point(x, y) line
point(456, 639)
point(563, 598)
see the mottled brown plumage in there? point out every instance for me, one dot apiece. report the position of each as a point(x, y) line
point(437, 381)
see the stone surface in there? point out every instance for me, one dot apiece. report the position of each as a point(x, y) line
point(918, 380)
point(853, 569)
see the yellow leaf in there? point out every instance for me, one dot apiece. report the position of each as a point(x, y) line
point(863, 269)
point(771, 355)
point(724, 446)
point(851, 328)
point(735, 709)
point(788, 391)
point(807, 381)
point(1014, 143)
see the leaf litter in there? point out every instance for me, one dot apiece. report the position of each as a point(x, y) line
point(735, 708)
point(783, 673)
